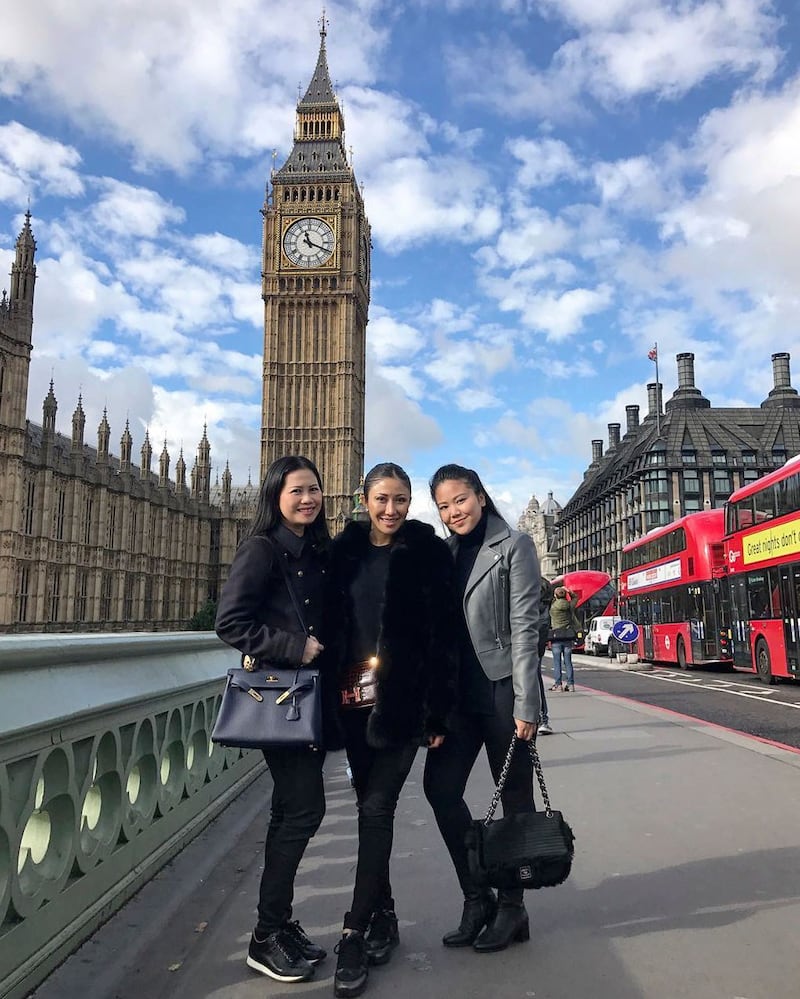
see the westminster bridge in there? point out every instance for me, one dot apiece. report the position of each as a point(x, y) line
point(107, 770)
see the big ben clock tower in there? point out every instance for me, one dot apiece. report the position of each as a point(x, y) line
point(316, 296)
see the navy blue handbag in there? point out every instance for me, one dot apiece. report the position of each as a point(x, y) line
point(265, 706)
point(269, 707)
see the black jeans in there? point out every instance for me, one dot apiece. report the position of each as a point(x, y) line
point(378, 776)
point(298, 807)
point(447, 770)
point(543, 717)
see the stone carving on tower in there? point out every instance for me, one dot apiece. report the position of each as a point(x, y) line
point(316, 274)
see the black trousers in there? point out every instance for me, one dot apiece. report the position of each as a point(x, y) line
point(447, 770)
point(298, 808)
point(378, 776)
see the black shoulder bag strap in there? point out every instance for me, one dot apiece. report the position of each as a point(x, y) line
point(287, 579)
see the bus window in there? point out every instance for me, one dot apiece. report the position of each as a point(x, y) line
point(758, 595)
point(775, 592)
point(695, 602)
point(744, 514)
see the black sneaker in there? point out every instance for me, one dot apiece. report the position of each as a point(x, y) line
point(312, 952)
point(351, 967)
point(383, 936)
point(279, 957)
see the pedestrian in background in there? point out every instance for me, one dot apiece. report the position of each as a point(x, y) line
point(497, 572)
point(392, 600)
point(287, 545)
point(564, 628)
point(545, 600)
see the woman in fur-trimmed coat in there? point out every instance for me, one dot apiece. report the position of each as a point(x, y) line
point(391, 599)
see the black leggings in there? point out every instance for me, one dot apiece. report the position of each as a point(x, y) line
point(298, 808)
point(447, 770)
point(378, 776)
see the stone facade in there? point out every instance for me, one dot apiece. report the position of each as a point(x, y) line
point(682, 457)
point(91, 541)
point(316, 273)
point(539, 521)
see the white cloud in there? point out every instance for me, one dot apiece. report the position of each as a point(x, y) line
point(32, 164)
point(171, 79)
point(390, 339)
point(411, 200)
point(131, 212)
point(544, 161)
point(621, 51)
point(396, 426)
point(223, 252)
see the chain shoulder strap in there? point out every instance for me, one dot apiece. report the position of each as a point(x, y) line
point(501, 783)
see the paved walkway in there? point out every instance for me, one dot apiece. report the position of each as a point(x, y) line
point(686, 881)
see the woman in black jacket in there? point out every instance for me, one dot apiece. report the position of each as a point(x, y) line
point(392, 601)
point(286, 546)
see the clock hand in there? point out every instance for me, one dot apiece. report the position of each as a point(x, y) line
point(307, 241)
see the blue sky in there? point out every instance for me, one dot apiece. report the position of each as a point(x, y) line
point(553, 186)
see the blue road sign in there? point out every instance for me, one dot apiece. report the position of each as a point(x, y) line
point(625, 631)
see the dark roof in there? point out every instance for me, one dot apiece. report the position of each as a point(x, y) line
point(320, 90)
point(317, 159)
point(703, 430)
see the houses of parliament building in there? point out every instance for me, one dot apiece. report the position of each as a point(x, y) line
point(94, 541)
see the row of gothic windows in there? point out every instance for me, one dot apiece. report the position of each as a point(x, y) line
point(173, 592)
point(323, 129)
point(311, 193)
point(308, 284)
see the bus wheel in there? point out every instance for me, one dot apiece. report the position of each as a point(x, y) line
point(763, 663)
point(682, 654)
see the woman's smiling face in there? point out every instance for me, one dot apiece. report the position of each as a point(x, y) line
point(460, 507)
point(387, 503)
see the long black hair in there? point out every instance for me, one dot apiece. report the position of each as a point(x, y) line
point(459, 473)
point(385, 470)
point(268, 511)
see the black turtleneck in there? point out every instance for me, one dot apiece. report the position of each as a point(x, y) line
point(475, 687)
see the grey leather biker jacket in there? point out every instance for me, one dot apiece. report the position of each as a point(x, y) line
point(501, 606)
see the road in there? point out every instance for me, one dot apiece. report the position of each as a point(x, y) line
point(739, 701)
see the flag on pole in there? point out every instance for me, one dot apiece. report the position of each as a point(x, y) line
point(652, 354)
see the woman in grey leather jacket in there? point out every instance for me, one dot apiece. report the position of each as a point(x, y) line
point(497, 571)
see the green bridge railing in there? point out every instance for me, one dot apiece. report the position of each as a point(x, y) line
point(106, 771)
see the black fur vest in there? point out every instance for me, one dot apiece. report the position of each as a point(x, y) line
point(417, 676)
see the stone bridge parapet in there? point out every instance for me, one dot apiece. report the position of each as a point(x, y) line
point(106, 771)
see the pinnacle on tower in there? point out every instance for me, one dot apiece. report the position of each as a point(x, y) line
point(49, 409)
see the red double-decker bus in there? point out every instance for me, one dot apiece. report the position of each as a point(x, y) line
point(673, 586)
point(595, 592)
point(762, 543)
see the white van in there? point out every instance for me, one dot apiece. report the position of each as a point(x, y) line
point(596, 641)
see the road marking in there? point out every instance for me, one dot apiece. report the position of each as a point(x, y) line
point(763, 696)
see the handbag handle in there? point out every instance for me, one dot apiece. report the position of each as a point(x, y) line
point(501, 783)
point(289, 587)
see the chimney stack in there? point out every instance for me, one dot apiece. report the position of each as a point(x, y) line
point(780, 371)
point(632, 417)
point(685, 371)
point(687, 395)
point(613, 435)
point(654, 399)
point(597, 451)
point(782, 394)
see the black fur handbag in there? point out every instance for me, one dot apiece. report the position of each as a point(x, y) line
point(531, 850)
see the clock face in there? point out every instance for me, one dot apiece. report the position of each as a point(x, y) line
point(309, 242)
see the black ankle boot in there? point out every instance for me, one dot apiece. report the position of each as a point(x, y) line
point(510, 926)
point(479, 910)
